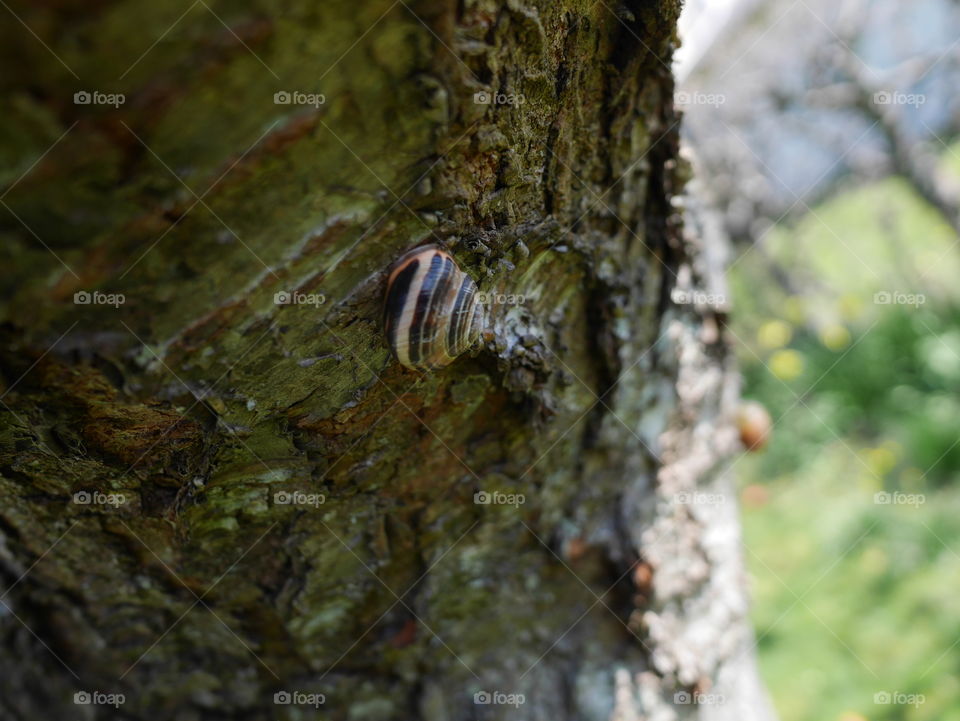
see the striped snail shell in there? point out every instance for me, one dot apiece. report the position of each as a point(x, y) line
point(431, 311)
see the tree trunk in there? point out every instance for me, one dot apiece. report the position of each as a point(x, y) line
point(210, 498)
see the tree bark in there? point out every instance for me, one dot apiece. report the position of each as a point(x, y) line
point(193, 412)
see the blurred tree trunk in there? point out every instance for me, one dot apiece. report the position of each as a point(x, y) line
point(193, 412)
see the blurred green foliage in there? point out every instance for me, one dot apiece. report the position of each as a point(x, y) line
point(847, 330)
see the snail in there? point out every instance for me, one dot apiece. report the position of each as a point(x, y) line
point(432, 312)
point(755, 424)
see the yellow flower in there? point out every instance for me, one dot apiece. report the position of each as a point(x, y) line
point(774, 334)
point(835, 337)
point(786, 364)
point(881, 460)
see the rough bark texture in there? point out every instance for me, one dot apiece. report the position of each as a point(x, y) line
point(200, 399)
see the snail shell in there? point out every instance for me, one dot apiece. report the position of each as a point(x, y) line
point(431, 311)
point(754, 423)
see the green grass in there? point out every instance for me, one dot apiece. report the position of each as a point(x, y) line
point(853, 598)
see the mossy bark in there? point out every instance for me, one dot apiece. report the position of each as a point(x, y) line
point(190, 412)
